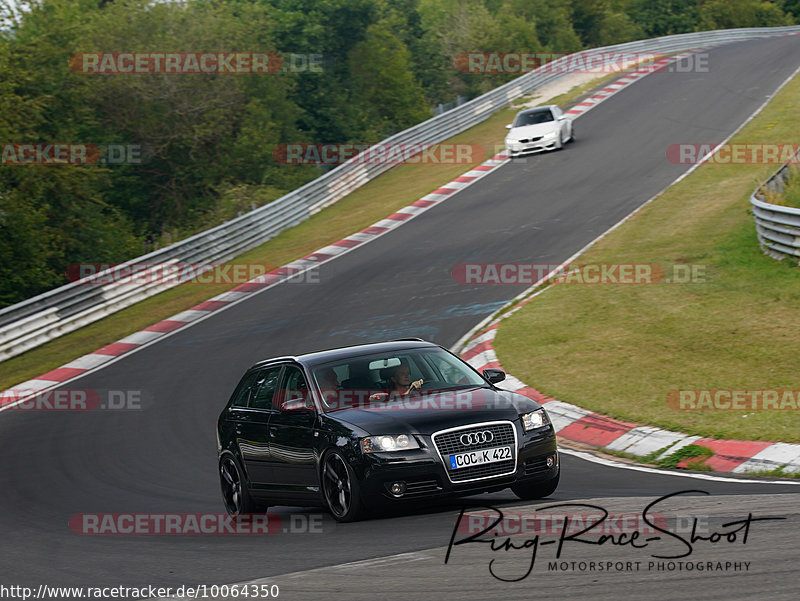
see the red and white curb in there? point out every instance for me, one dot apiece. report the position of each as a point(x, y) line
point(571, 422)
point(581, 425)
point(138, 340)
point(107, 354)
point(626, 80)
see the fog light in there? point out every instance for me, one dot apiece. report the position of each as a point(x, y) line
point(551, 461)
point(398, 489)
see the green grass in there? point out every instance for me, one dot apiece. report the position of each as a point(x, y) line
point(393, 190)
point(790, 197)
point(619, 350)
point(695, 453)
point(583, 89)
point(776, 473)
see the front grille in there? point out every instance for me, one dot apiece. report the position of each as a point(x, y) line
point(448, 443)
point(536, 139)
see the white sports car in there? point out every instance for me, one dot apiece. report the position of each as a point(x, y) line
point(537, 129)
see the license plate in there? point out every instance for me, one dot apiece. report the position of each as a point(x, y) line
point(459, 460)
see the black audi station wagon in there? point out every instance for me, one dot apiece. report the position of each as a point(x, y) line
point(355, 427)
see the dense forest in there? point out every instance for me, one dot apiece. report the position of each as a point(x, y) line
point(203, 143)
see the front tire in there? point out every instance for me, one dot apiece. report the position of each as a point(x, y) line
point(235, 494)
point(538, 490)
point(340, 489)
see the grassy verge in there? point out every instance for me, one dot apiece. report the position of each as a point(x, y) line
point(620, 350)
point(581, 90)
point(394, 189)
point(694, 455)
point(790, 197)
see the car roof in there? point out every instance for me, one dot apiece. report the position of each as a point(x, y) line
point(537, 109)
point(346, 352)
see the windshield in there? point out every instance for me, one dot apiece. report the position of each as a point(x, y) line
point(392, 372)
point(533, 118)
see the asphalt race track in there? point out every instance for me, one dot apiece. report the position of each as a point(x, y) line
point(162, 458)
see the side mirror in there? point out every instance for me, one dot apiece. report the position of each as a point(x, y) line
point(494, 375)
point(562, 117)
point(509, 126)
point(295, 405)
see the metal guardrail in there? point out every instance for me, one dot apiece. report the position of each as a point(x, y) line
point(778, 227)
point(32, 322)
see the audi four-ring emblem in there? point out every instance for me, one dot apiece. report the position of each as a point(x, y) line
point(476, 438)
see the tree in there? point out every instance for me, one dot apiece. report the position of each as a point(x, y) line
point(56, 215)
point(617, 28)
point(664, 17)
point(727, 14)
point(384, 84)
point(790, 7)
point(587, 20)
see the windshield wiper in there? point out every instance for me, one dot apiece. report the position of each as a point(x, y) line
point(456, 387)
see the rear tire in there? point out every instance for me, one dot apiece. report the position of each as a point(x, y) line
point(235, 494)
point(539, 490)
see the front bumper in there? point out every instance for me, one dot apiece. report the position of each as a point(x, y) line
point(424, 475)
point(520, 149)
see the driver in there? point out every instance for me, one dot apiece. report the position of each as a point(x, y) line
point(401, 378)
point(400, 382)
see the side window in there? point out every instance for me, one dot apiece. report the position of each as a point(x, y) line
point(264, 388)
point(241, 395)
point(294, 385)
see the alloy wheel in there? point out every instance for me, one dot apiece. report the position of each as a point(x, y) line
point(336, 485)
point(231, 484)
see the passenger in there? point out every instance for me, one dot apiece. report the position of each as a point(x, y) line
point(328, 380)
point(330, 387)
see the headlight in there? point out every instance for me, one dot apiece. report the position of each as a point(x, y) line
point(400, 442)
point(510, 141)
point(535, 419)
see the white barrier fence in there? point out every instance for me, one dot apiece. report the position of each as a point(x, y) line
point(778, 227)
point(32, 322)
